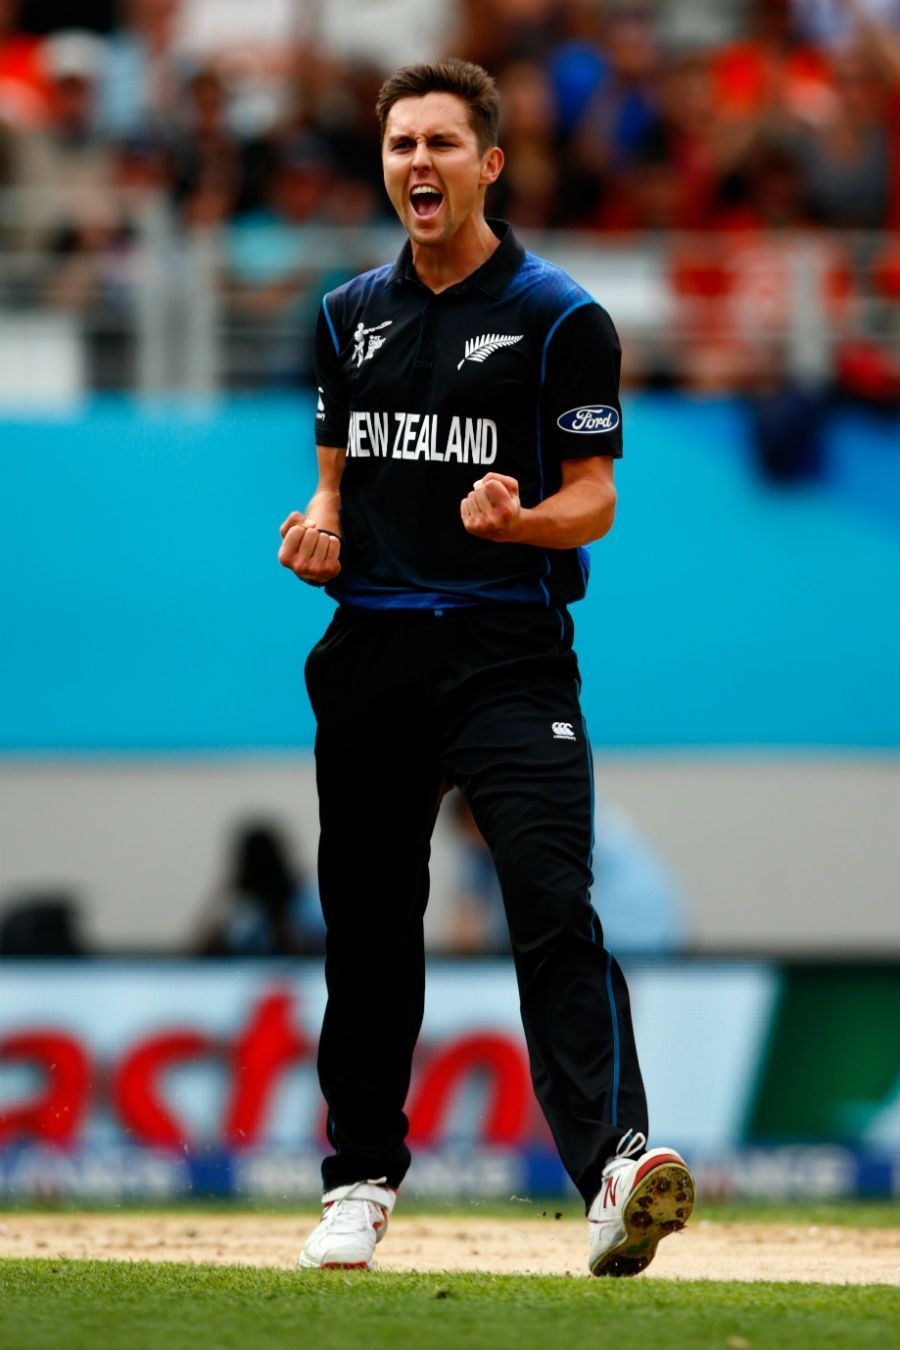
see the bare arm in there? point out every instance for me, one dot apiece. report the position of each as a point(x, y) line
point(582, 510)
point(311, 541)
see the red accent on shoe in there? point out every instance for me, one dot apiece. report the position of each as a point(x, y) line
point(609, 1194)
point(652, 1163)
point(344, 1265)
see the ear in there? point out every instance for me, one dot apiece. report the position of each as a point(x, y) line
point(491, 165)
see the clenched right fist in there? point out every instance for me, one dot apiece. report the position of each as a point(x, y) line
point(310, 553)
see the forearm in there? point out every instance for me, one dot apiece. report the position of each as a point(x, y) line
point(325, 504)
point(324, 508)
point(580, 511)
point(310, 543)
point(576, 515)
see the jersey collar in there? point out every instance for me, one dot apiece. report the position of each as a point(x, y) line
point(492, 277)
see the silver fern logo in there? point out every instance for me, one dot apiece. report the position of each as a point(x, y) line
point(480, 348)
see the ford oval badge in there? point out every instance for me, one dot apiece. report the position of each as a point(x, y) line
point(592, 420)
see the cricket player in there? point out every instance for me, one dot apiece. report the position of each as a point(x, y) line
point(467, 426)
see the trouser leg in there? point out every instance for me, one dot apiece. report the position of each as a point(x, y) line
point(521, 758)
point(378, 795)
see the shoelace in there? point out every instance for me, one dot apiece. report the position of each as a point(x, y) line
point(344, 1216)
point(631, 1143)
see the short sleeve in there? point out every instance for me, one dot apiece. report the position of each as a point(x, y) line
point(332, 401)
point(581, 414)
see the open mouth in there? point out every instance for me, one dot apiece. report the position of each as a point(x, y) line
point(426, 200)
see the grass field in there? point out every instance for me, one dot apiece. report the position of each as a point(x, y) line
point(52, 1305)
point(57, 1304)
point(856, 1213)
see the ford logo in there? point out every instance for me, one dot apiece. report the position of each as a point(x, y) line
point(589, 421)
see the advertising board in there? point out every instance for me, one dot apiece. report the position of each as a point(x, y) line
point(166, 1078)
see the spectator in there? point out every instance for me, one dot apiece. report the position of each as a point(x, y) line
point(477, 921)
point(24, 87)
point(771, 74)
point(609, 124)
point(635, 892)
point(672, 177)
point(577, 64)
point(530, 192)
point(206, 156)
point(624, 111)
point(142, 169)
point(702, 147)
point(494, 32)
point(847, 155)
point(272, 271)
point(834, 22)
point(68, 168)
point(389, 34)
point(49, 16)
point(767, 190)
point(346, 124)
point(142, 84)
point(266, 906)
point(42, 924)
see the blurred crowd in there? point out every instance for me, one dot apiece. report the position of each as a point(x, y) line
point(265, 900)
point(621, 118)
point(614, 118)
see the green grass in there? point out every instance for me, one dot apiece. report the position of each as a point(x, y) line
point(846, 1213)
point(93, 1305)
point(854, 1213)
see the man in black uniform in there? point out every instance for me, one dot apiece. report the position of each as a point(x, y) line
point(467, 425)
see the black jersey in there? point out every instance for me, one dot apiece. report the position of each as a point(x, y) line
point(515, 369)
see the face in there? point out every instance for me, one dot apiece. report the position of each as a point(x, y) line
point(434, 172)
point(74, 100)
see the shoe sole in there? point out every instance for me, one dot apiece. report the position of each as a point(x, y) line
point(335, 1265)
point(660, 1203)
point(304, 1262)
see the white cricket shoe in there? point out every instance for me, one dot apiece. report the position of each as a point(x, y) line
point(642, 1199)
point(354, 1219)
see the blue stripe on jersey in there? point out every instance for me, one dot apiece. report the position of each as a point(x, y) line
point(360, 598)
point(540, 459)
point(590, 765)
point(548, 564)
point(596, 935)
point(579, 304)
point(334, 336)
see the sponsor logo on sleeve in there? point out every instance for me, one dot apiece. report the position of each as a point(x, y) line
point(592, 420)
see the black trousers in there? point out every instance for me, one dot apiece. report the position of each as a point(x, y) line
point(486, 699)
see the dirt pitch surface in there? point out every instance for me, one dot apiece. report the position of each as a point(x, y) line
point(536, 1245)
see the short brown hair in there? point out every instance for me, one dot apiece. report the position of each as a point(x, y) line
point(467, 81)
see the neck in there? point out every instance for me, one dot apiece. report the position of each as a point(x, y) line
point(439, 266)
